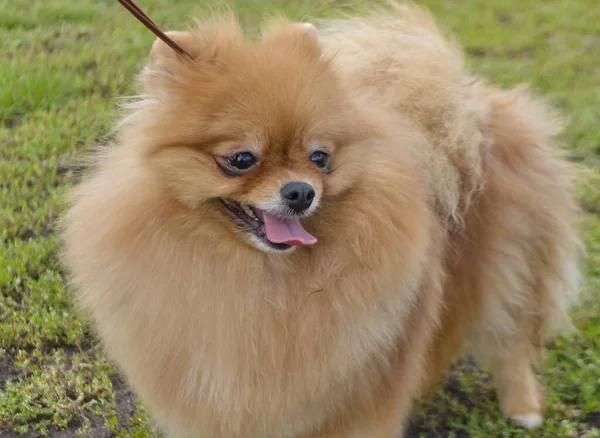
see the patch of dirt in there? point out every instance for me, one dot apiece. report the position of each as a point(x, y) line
point(29, 233)
point(476, 52)
point(88, 67)
point(13, 122)
point(75, 171)
point(83, 36)
point(504, 19)
point(105, 92)
point(8, 371)
point(125, 404)
point(424, 431)
point(573, 157)
point(125, 400)
point(433, 422)
point(593, 419)
point(591, 209)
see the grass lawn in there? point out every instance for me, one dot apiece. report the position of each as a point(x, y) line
point(63, 67)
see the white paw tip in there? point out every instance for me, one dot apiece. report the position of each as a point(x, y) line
point(310, 29)
point(530, 421)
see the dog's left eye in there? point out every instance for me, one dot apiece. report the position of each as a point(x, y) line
point(320, 159)
point(242, 161)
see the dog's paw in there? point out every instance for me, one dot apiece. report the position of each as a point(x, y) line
point(525, 403)
point(530, 420)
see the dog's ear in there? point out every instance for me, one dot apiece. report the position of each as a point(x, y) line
point(165, 64)
point(303, 36)
point(213, 39)
point(161, 51)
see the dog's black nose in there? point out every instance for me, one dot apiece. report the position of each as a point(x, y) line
point(298, 195)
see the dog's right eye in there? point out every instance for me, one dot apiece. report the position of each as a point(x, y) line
point(242, 161)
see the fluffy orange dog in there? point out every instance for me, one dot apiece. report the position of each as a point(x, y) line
point(296, 236)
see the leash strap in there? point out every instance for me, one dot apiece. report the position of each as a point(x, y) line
point(146, 21)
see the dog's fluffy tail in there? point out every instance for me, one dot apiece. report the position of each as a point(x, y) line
point(524, 133)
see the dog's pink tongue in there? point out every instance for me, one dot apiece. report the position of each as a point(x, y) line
point(288, 231)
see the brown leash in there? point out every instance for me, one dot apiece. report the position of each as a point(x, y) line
point(146, 21)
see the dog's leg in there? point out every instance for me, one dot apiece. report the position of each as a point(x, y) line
point(521, 395)
point(516, 321)
point(504, 341)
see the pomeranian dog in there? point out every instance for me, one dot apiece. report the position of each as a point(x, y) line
point(296, 235)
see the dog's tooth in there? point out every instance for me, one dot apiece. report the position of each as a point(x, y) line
point(248, 210)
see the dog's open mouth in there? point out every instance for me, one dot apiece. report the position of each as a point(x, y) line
point(278, 233)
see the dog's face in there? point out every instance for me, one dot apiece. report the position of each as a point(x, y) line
point(261, 132)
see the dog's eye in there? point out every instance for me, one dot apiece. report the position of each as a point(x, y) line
point(242, 161)
point(320, 159)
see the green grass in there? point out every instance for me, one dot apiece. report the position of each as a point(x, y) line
point(63, 65)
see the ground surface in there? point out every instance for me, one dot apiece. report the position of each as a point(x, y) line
point(64, 64)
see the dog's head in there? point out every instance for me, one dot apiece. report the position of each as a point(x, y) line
point(260, 131)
